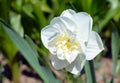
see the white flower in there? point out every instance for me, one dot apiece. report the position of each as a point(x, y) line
point(71, 41)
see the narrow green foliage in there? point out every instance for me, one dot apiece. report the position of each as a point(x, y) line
point(115, 49)
point(29, 54)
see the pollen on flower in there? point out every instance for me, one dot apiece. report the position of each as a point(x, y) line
point(66, 45)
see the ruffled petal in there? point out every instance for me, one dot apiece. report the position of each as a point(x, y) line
point(84, 25)
point(48, 34)
point(56, 22)
point(71, 57)
point(94, 46)
point(82, 46)
point(77, 65)
point(67, 25)
point(57, 63)
point(68, 13)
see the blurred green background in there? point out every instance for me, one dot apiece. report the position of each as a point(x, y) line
point(20, 25)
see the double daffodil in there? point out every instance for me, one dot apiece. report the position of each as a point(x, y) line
point(71, 41)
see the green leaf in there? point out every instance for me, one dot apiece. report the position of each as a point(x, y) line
point(29, 54)
point(46, 69)
point(4, 8)
point(39, 13)
point(15, 21)
point(86, 6)
point(115, 49)
point(118, 68)
point(27, 9)
point(17, 5)
point(115, 7)
point(5, 46)
point(32, 45)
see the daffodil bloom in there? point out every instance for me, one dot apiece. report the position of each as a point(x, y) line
point(71, 41)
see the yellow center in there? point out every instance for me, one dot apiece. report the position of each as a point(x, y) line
point(66, 44)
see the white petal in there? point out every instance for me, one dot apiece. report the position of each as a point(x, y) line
point(71, 57)
point(60, 54)
point(77, 65)
point(48, 34)
point(57, 63)
point(52, 49)
point(56, 22)
point(68, 13)
point(66, 24)
point(82, 46)
point(94, 46)
point(84, 25)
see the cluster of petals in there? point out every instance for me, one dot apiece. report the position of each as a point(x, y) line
point(71, 41)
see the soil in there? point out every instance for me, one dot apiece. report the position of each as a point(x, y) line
point(27, 75)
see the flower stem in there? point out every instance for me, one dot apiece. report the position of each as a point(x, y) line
point(90, 72)
point(15, 72)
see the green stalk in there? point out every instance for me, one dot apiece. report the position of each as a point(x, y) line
point(90, 72)
point(1, 76)
point(15, 72)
